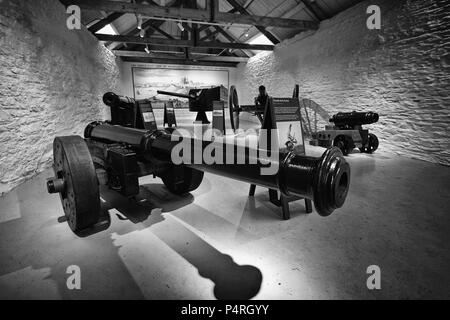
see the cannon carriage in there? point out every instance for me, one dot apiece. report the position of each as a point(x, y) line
point(347, 132)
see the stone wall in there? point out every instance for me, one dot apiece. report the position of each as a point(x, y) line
point(51, 83)
point(401, 71)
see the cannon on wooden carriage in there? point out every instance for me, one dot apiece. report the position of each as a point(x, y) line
point(347, 132)
point(128, 112)
point(201, 100)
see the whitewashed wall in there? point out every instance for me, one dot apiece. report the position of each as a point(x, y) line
point(51, 83)
point(401, 71)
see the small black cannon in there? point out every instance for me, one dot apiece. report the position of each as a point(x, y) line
point(347, 132)
point(350, 120)
point(117, 156)
point(201, 100)
point(128, 112)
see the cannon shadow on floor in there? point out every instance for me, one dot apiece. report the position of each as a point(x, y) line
point(231, 280)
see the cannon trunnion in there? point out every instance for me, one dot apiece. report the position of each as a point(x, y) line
point(117, 156)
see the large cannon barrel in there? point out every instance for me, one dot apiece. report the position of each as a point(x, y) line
point(174, 94)
point(325, 180)
point(354, 118)
point(115, 133)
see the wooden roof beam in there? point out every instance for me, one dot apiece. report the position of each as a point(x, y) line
point(211, 16)
point(180, 61)
point(315, 9)
point(261, 29)
point(176, 55)
point(183, 43)
point(104, 22)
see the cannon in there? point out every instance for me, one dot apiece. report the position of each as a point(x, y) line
point(116, 156)
point(201, 100)
point(123, 109)
point(351, 120)
point(347, 132)
point(128, 112)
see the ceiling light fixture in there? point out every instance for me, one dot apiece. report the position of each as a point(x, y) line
point(142, 33)
point(180, 26)
point(147, 50)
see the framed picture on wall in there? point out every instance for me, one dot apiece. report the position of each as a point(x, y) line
point(148, 80)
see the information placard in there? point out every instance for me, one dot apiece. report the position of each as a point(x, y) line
point(169, 114)
point(288, 123)
point(146, 115)
point(284, 115)
point(218, 122)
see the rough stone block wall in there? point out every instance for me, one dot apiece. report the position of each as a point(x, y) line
point(51, 83)
point(401, 71)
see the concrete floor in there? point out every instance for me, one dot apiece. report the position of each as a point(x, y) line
point(219, 243)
